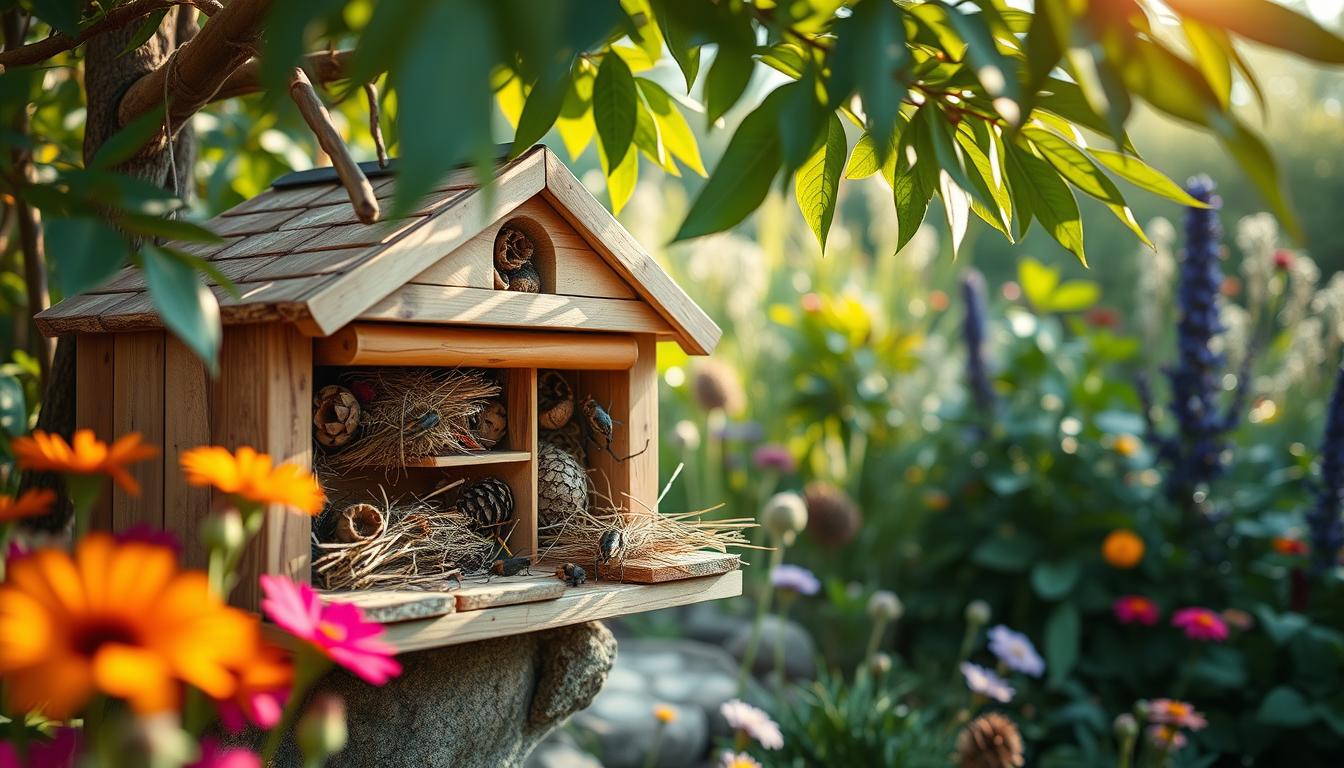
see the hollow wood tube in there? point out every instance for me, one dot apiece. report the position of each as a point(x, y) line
point(319, 120)
point(393, 344)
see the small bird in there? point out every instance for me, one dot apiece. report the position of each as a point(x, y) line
point(610, 546)
point(600, 428)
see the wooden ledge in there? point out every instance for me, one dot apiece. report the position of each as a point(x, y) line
point(405, 344)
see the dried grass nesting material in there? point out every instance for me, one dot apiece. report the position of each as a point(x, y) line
point(420, 546)
point(416, 413)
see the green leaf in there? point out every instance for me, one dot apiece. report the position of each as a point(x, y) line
point(1079, 169)
point(985, 172)
point(575, 123)
point(620, 179)
point(1211, 48)
point(956, 207)
point(148, 26)
point(187, 307)
point(543, 106)
point(996, 72)
point(727, 80)
point(87, 252)
point(912, 183)
point(950, 158)
point(13, 406)
point(62, 15)
point(1011, 553)
point(743, 176)
point(817, 183)
point(648, 140)
point(645, 27)
point(1037, 280)
point(1144, 176)
point(1053, 579)
point(802, 121)
point(1285, 707)
point(1072, 296)
point(1048, 198)
point(127, 141)
point(614, 108)
point(863, 160)
point(1281, 627)
point(1255, 159)
point(678, 39)
point(169, 229)
point(1063, 639)
point(676, 133)
point(1043, 49)
point(1269, 23)
point(869, 55)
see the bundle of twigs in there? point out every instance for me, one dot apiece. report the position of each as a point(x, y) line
point(420, 547)
point(415, 413)
point(650, 537)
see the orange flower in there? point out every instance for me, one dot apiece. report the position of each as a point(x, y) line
point(1287, 545)
point(664, 714)
point(1122, 549)
point(31, 504)
point(85, 455)
point(1127, 445)
point(119, 619)
point(251, 476)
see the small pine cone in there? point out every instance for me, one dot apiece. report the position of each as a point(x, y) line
point(562, 486)
point(717, 387)
point(990, 741)
point(555, 400)
point(569, 439)
point(488, 502)
point(833, 519)
point(335, 416)
point(525, 279)
point(513, 248)
point(490, 424)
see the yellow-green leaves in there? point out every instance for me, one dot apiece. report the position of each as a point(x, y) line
point(1269, 23)
point(673, 129)
point(742, 178)
point(1046, 293)
point(817, 182)
point(1041, 189)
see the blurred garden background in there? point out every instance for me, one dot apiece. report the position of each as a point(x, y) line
point(1101, 501)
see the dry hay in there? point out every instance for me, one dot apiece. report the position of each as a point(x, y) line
point(421, 546)
point(416, 413)
point(651, 537)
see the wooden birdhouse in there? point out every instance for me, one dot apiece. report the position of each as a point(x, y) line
point(524, 300)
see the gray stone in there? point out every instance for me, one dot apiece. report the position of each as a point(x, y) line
point(626, 730)
point(479, 705)
point(710, 623)
point(799, 649)
point(560, 751)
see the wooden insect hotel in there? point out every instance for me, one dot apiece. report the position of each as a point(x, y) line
point(475, 385)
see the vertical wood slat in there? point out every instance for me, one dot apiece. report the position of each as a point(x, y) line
point(95, 405)
point(641, 425)
point(521, 404)
point(138, 366)
point(186, 425)
point(263, 399)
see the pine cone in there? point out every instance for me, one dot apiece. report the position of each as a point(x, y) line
point(555, 400)
point(487, 502)
point(569, 439)
point(335, 416)
point(512, 248)
point(562, 486)
point(990, 741)
point(833, 519)
point(717, 387)
point(525, 279)
point(490, 424)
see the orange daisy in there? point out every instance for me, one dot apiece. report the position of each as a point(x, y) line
point(85, 455)
point(252, 476)
point(31, 504)
point(119, 619)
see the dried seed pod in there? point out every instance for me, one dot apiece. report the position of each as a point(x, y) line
point(335, 416)
point(490, 424)
point(525, 279)
point(512, 248)
point(833, 519)
point(555, 400)
point(360, 522)
point(990, 741)
point(562, 486)
point(488, 502)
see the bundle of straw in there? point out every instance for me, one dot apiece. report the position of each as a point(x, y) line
point(420, 548)
point(415, 413)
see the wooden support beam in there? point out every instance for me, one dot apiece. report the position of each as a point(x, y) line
point(390, 344)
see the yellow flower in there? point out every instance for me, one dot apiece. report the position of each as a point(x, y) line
point(1122, 549)
point(665, 714)
point(31, 504)
point(251, 476)
point(119, 619)
point(1127, 445)
point(85, 455)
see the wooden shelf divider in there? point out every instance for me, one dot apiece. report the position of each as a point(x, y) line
point(473, 459)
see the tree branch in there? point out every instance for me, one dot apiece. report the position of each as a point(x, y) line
point(323, 66)
point(116, 18)
point(319, 120)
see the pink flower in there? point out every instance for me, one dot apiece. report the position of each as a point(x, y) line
point(776, 457)
point(338, 629)
point(1135, 609)
point(1178, 713)
point(58, 752)
point(753, 723)
point(215, 756)
point(1200, 624)
point(1166, 738)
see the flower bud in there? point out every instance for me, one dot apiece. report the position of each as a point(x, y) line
point(884, 605)
point(686, 435)
point(224, 531)
point(321, 732)
point(785, 515)
point(1125, 727)
point(977, 613)
point(880, 664)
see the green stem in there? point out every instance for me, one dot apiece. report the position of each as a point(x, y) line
point(84, 491)
point(779, 642)
point(1126, 752)
point(762, 609)
point(875, 639)
point(651, 759)
point(308, 668)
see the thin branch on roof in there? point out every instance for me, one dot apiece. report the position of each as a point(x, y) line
point(116, 18)
point(347, 168)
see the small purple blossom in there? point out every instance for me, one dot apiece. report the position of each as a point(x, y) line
point(1015, 650)
point(774, 457)
point(795, 578)
point(752, 722)
point(986, 683)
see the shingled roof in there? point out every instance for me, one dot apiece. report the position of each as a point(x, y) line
point(298, 254)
